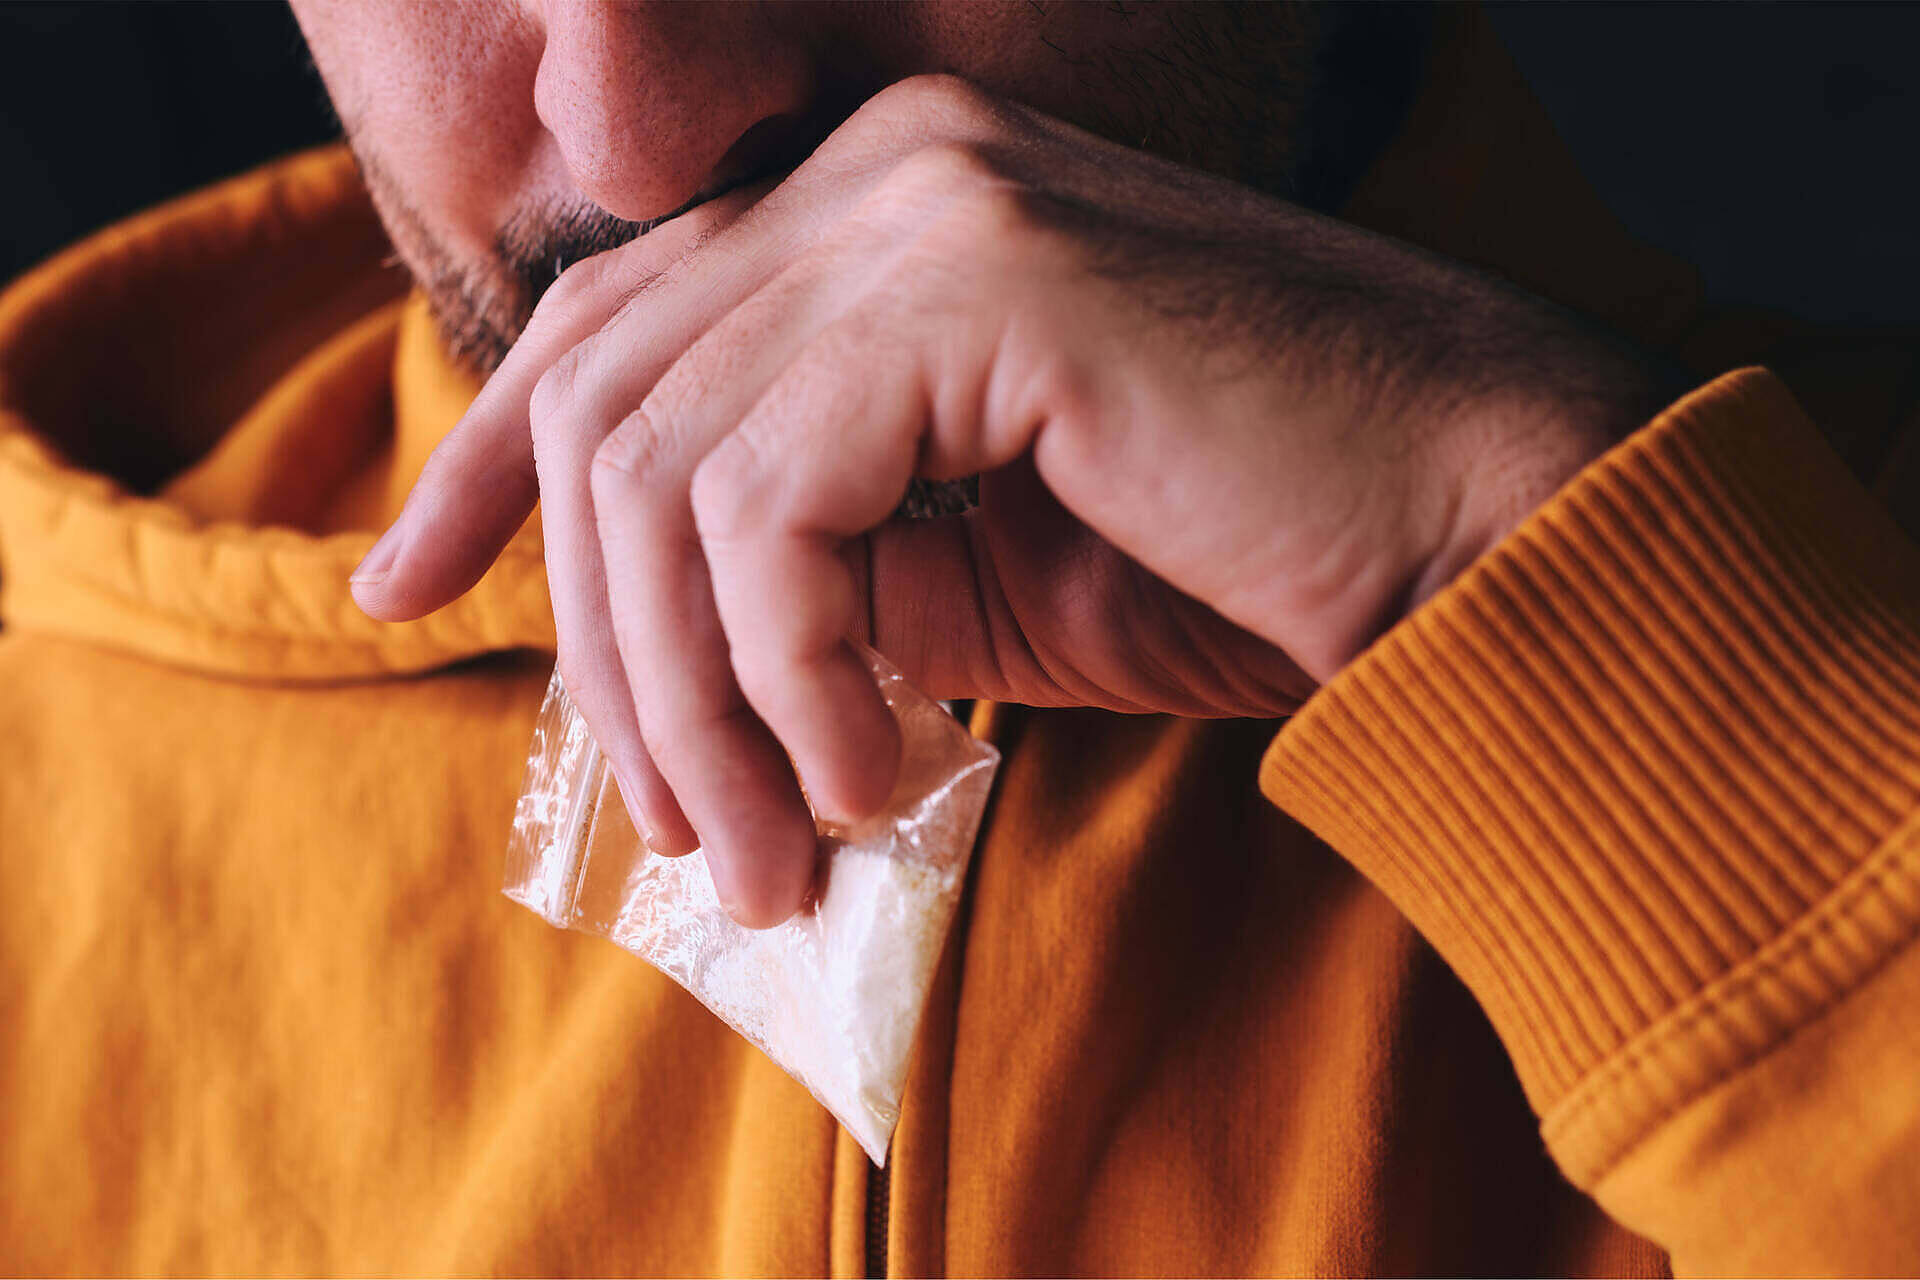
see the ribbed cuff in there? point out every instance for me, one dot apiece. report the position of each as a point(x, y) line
point(1638, 773)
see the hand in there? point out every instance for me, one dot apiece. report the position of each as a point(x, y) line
point(1223, 443)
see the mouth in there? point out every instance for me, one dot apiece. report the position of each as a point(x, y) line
point(766, 153)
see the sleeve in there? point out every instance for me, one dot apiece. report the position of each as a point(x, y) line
point(1648, 777)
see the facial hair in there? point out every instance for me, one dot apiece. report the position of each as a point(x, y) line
point(482, 313)
point(1289, 98)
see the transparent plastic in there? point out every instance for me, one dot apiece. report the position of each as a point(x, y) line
point(834, 995)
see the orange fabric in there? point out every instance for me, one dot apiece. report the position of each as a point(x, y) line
point(259, 307)
point(1648, 776)
point(1802, 1164)
point(265, 1011)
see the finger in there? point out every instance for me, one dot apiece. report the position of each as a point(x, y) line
point(823, 456)
point(574, 406)
point(938, 608)
point(785, 596)
point(730, 775)
point(589, 656)
point(480, 484)
point(478, 488)
point(1018, 600)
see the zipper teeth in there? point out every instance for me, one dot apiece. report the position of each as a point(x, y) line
point(879, 1211)
point(880, 1178)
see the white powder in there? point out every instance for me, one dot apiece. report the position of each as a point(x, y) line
point(833, 995)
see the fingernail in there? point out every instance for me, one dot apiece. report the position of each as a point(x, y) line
point(638, 815)
point(379, 561)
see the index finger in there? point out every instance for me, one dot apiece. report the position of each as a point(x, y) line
point(479, 485)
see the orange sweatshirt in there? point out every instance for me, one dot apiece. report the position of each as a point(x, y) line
point(1607, 857)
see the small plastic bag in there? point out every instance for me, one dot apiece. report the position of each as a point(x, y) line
point(834, 995)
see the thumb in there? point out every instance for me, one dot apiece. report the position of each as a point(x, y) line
point(929, 611)
point(983, 604)
point(480, 485)
point(1019, 601)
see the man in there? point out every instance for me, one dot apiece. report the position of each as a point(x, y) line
point(1595, 820)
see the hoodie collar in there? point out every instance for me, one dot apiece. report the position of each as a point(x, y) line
point(207, 413)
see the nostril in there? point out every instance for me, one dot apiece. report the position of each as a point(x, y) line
point(767, 147)
point(776, 145)
point(752, 149)
point(779, 144)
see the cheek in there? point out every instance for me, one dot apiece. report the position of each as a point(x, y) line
point(440, 98)
point(1036, 54)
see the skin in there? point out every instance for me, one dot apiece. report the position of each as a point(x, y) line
point(1223, 441)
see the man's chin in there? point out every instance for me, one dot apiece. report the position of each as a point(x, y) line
point(477, 327)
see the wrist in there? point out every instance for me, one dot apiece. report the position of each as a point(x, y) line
point(1514, 452)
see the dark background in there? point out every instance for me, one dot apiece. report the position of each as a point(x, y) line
point(106, 108)
point(1774, 145)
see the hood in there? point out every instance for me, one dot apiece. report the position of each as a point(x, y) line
point(206, 415)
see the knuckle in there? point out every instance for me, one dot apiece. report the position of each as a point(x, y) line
point(937, 177)
point(916, 109)
point(617, 268)
point(994, 221)
point(686, 388)
point(673, 744)
point(760, 673)
point(724, 492)
point(776, 650)
point(634, 453)
point(962, 199)
point(554, 391)
point(603, 283)
point(566, 292)
point(937, 97)
point(578, 288)
point(938, 172)
point(753, 659)
point(681, 740)
point(1069, 396)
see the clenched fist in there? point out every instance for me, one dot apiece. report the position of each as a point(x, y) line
point(1222, 442)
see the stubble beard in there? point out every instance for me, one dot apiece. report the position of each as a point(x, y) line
point(1273, 96)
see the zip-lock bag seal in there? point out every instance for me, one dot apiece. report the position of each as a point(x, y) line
point(833, 995)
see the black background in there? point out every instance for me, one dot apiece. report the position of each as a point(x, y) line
point(1775, 145)
point(106, 108)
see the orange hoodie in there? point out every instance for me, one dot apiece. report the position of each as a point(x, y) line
point(1614, 841)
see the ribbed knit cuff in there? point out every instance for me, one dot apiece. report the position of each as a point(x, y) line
point(1641, 773)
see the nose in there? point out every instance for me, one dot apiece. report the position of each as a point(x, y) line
point(647, 101)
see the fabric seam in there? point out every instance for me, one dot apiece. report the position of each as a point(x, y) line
point(1892, 864)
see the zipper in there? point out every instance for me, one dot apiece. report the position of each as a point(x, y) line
point(879, 1178)
point(879, 1210)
